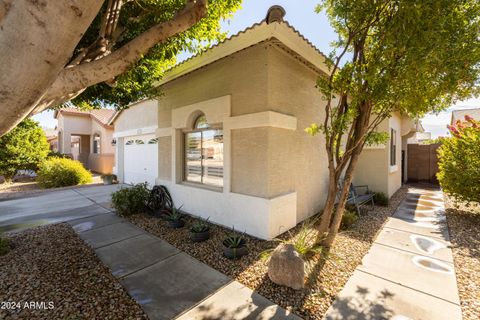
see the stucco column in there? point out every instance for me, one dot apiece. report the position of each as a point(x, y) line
point(119, 158)
point(66, 143)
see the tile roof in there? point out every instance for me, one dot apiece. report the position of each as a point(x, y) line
point(101, 115)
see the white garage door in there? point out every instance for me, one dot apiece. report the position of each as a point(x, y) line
point(141, 159)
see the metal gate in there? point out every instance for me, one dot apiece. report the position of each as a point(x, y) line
point(422, 162)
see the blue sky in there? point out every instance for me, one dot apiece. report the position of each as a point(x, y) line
point(316, 28)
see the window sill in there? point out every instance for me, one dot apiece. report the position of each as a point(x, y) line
point(201, 186)
point(393, 169)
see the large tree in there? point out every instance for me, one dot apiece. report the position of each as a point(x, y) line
point(94, 51)
point(408, 56)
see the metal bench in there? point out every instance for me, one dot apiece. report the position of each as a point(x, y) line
point(357, 200)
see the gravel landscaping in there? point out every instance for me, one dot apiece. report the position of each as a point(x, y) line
point(463, 224)
point(53, 267)
point(327, 275)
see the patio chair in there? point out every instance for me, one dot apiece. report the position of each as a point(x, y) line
point(357, 199)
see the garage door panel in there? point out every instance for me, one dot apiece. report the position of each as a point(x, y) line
point(141, 159)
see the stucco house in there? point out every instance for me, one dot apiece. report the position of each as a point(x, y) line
point(460, 115)
point(227, 135)
point(87, 136)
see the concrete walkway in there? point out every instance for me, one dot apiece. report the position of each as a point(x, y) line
point(408, 272)
point(166, 282)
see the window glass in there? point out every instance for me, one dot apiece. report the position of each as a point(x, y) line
point(129, 142)
point(138, 141)
point(201, 123)
point(193, 155)
point(204, 154)
point(96, 144)
point(393, 147)
point(153, 141)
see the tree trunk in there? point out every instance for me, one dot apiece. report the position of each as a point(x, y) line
point(37, 39)
point(329, 205)
point(337, 216)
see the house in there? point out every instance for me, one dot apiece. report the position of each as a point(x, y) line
point(227, 135)
point(86, 136)
point(420, 137)
point(52, 138)
point(460, 115)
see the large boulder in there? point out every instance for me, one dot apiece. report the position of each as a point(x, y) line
point(286, 267)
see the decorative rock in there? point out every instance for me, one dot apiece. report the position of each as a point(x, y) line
point(286, 267)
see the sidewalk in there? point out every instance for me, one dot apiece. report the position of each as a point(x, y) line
point(408, 272)
point(167, 283)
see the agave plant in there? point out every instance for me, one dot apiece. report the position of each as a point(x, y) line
point(234, 240)
point(174, 214)
point(200, 226)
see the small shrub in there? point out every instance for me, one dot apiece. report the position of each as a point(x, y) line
point(56, 154)
point(348, 219)
point(62, 172)
point(459, 161)
point(132, 200)
point(305, 242)
point(4, 246)
point(381, 199)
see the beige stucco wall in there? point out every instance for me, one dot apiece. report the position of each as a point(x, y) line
point(395, 173)
point(299, 160)
point(86, 128)
point(242, 75)
point(373, 168)
point(72, 125)
point(372, 165)
point(165, 158)
point(140, 115)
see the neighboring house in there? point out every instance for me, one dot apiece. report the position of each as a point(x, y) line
point(227, 135)
point(52, 138)
point(460, 115)
point(86, 136)
point(420, 137)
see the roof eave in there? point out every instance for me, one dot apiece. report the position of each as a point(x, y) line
point(281, 31)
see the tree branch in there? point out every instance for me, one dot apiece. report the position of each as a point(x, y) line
point(79, 77)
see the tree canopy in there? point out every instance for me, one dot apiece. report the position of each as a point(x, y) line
point(95, 52)
point(23, 148)
point(406, 56)
point(135, 18)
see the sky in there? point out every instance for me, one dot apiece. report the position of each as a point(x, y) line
point(316, 28)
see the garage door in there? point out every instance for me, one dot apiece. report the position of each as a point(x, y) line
point(141, 159)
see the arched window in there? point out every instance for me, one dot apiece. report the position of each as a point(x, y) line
point(204, 153)
point(96, 143)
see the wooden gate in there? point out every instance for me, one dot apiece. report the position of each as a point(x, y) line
point(422, 162)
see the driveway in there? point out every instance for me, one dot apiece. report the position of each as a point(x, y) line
point(54, 206)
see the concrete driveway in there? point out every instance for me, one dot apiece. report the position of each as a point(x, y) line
point(55, 206)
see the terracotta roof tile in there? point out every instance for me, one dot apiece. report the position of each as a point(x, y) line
point(102, 115)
